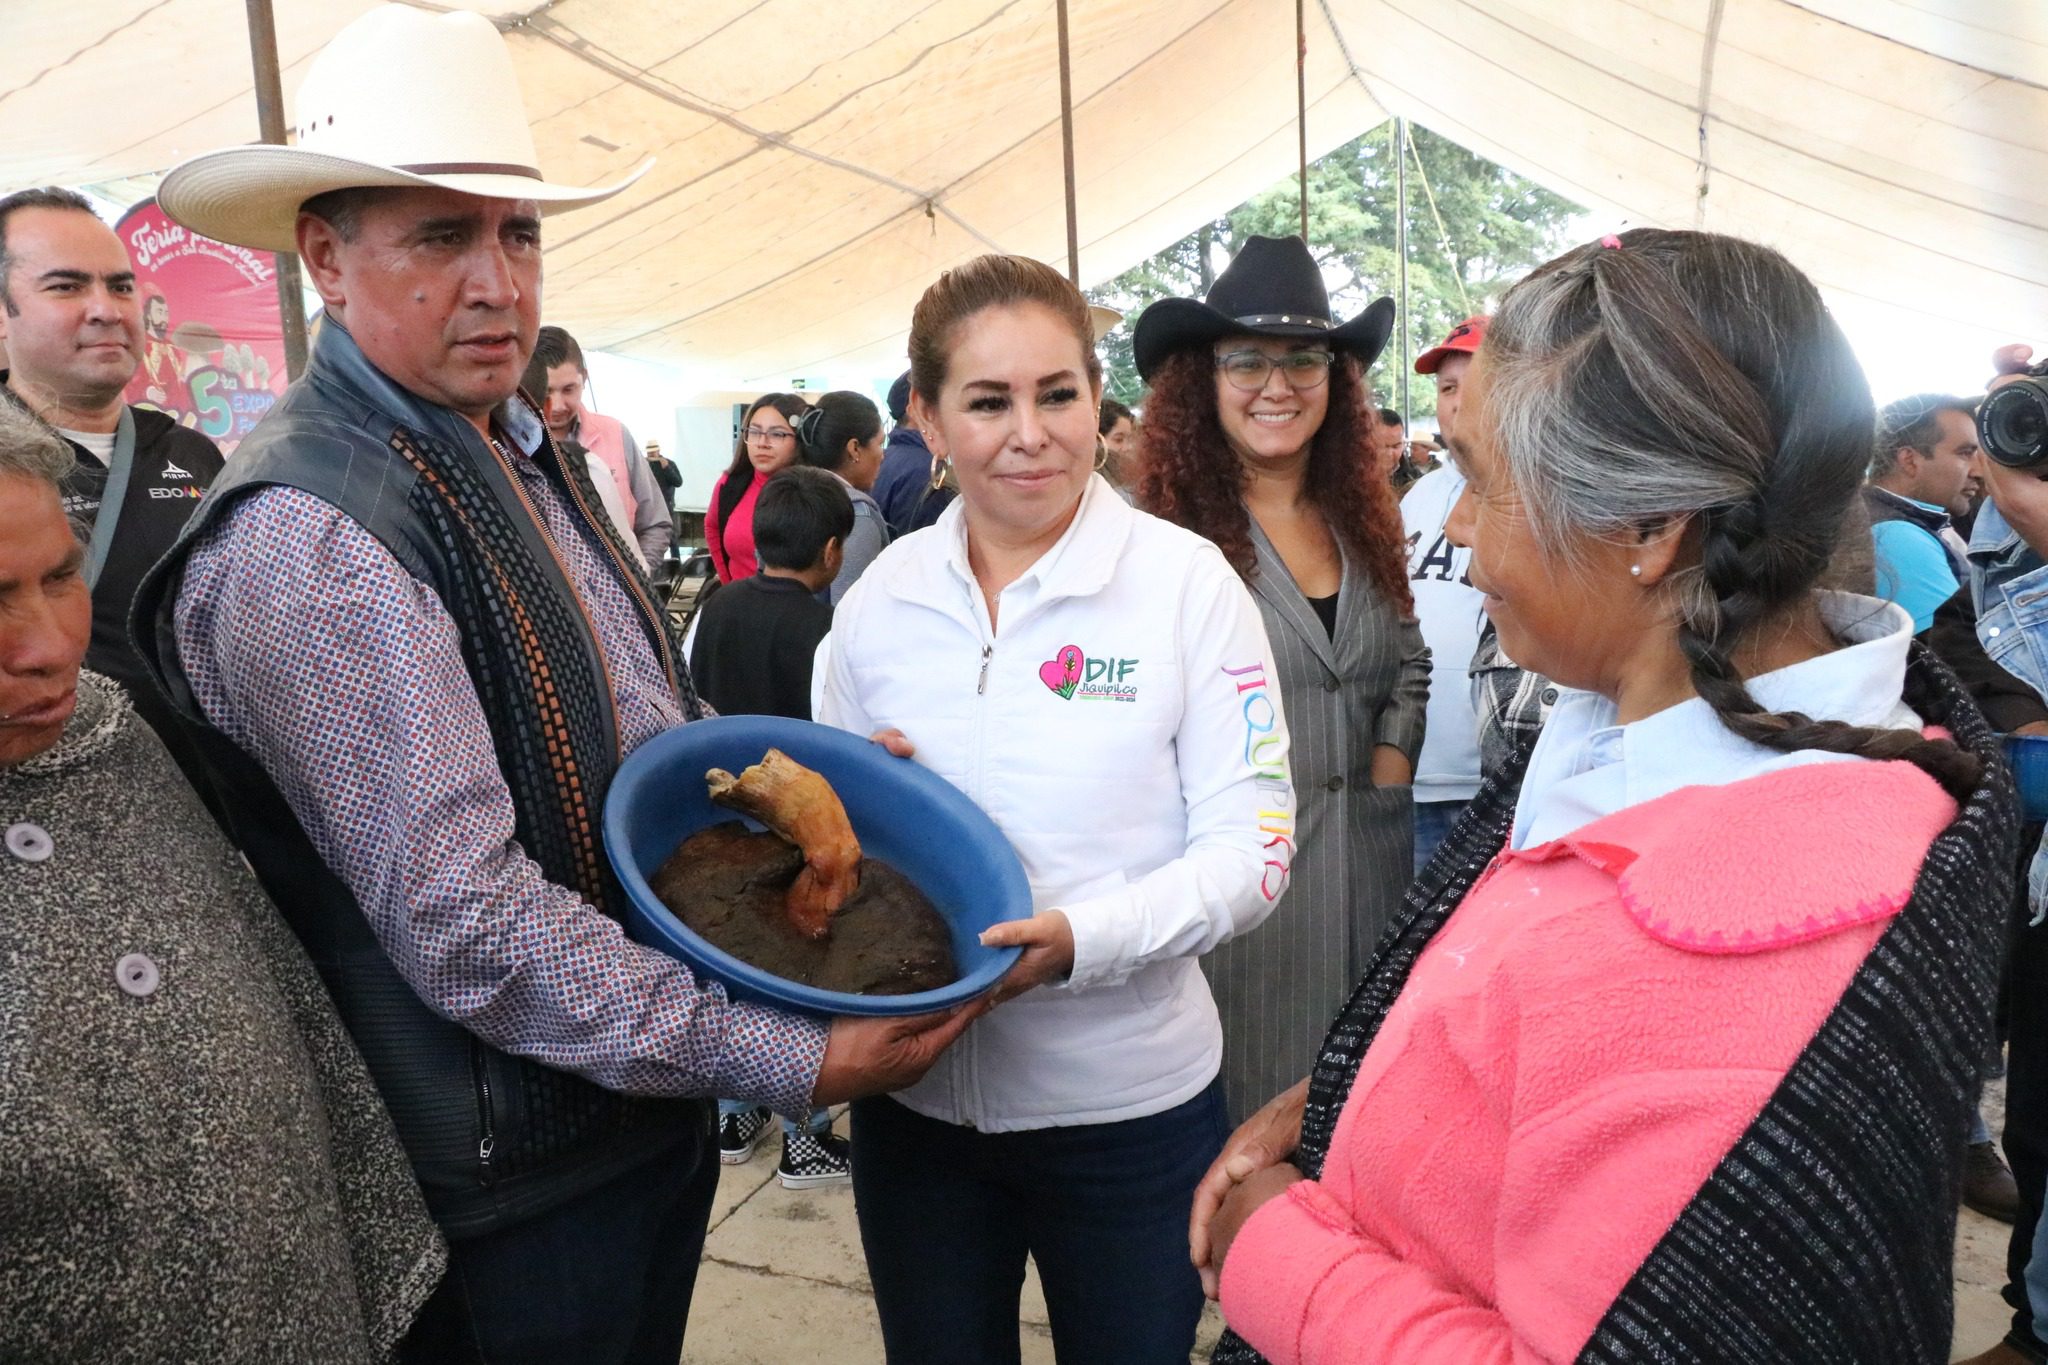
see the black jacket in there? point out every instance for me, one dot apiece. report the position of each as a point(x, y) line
point(173, 468)
point(756, 640)
point(903, 487)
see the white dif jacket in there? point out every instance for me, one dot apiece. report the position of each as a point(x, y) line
point(1123, 727)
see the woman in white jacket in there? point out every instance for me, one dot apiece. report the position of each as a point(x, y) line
point(1100, 683)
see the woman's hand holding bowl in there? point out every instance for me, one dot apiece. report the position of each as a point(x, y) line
point(1047, 939)
point(895, 741)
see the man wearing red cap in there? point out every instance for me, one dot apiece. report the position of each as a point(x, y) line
point(1447, 605)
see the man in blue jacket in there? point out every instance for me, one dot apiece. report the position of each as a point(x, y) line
point(2008, 570)
point(1923, 471)
point(904, 488)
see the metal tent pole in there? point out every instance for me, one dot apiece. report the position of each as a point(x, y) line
point(1067, 147)
point(1401, 250)
point(270, 119)
point(1301, 105)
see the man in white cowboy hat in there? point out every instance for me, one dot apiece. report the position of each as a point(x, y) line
point(410, 645)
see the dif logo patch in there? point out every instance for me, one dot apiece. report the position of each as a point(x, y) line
point(1071, 674)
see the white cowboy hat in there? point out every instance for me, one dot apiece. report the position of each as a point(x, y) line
point(398, 98)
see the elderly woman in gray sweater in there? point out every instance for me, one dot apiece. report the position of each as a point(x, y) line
point(193, 1163)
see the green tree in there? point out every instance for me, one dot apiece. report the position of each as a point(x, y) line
point(1496, 226)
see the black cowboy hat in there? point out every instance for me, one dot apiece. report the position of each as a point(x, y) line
point(1272, 289)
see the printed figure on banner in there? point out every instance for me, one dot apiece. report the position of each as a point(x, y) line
point(213, 344)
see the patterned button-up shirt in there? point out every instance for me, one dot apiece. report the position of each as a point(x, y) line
point(311, 648)
point(1511, 702)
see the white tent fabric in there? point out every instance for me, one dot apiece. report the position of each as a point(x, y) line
point(820, 161)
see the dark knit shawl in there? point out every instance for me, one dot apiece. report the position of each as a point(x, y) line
point(205, 1174)
point(1826, 1234)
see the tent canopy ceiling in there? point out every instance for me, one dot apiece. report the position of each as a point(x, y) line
point(818, 164)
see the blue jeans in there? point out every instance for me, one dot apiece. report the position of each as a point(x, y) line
point(947, 1215)
point(604, 1278)
point(819, 1121)
point(1433, 821)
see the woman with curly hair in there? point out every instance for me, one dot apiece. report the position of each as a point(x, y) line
point(1258, 435)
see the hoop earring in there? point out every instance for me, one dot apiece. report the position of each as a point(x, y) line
point(1101, 452)
point(938, 475)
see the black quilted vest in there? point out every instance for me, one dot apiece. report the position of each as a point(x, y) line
point(494, 1138)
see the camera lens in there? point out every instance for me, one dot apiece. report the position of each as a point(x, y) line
point(2012, 424)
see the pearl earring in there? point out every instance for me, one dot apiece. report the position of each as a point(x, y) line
point(1635, 571)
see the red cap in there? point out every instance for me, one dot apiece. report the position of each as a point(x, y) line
point(1465, 337)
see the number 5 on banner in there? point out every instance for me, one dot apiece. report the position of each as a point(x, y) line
point(216, 418)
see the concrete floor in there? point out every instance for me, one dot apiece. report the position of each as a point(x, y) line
point(783, 1277)
point(1981, 1315)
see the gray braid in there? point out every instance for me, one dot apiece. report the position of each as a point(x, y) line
point(1690, 375)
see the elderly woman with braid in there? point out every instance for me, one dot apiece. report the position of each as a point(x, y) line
point(1673, 1060)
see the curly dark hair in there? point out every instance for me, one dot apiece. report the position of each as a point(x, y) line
point(1193, 479)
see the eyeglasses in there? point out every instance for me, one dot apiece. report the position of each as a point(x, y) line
point(1249, 370)
point(769, 433)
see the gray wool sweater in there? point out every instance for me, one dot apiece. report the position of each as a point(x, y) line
point(193, 1163)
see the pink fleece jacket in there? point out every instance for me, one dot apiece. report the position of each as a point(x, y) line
point(1574, 1053)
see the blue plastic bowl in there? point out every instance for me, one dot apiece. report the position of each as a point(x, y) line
point(900, 812)
point(2028, 757)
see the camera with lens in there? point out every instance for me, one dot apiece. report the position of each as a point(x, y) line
point(2012, 421)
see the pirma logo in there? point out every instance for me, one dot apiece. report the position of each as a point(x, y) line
point(172, 471)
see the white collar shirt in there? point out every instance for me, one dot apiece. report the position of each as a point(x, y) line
point(1586, 766)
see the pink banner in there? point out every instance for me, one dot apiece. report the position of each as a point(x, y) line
point(213, 344)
